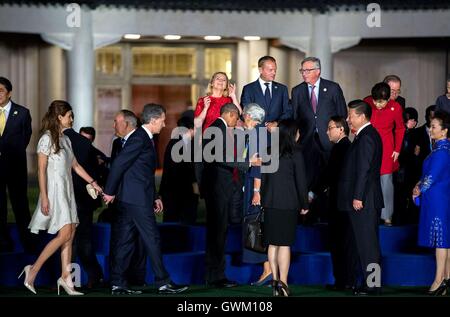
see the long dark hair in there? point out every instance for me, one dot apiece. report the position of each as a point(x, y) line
point(51, 123)
point(288, 132)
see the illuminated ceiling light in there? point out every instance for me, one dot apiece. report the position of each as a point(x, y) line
point(252, 38)
point(212, 37)
point(172, 37)
point(132, 36)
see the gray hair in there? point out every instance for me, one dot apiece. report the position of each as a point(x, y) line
point(129, 117)
point(313, 59)
point(152, 111)
point(393, 78)
point(255, 111)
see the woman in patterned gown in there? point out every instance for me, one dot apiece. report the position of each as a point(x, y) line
point(433, 192)
point(56, 210)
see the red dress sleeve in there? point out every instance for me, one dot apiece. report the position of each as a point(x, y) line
point(199, 107)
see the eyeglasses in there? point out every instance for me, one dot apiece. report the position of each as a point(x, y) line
point(306, 71)
point(332, 127)
point(396, 91)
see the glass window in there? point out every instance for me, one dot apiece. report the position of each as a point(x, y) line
point(164, 61)
point(109, 60)
point(218, 60)
point(108, 102)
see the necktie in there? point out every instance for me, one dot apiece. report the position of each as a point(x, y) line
point(313, 99)
point(267, 96)
point(122, 141)
point(2, 120)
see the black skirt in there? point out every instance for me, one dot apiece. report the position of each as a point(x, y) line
point(280, 226)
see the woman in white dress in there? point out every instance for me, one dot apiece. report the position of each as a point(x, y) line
point(56, 210)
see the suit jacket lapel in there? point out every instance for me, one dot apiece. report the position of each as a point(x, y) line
point(308, 97)
point(322, 91)
point(274, 91)
point(11, 118)
point(259, 90)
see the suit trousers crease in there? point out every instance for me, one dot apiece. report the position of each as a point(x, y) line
point(339, 242)
point(135, 222)
point(365, 248)
point(216, 229)
point(16, 186)
point(136, 271)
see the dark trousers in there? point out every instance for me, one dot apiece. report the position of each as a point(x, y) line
point(236, 203)
point(16, 182)
point(135, 274)
point(364, 248)
point(134, 222)
point(316, 159)
point(217, 208)
point(83, 246)
point(338, 226)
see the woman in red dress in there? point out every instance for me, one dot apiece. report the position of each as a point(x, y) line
point(219, 92)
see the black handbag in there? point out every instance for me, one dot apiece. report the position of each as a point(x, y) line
point(253, 232)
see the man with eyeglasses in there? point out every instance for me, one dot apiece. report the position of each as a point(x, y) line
point(395, 84)
point(338, 221)
point(314, 102)
point(15, 134)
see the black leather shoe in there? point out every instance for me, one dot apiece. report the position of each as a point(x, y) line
point(172, 288)
point(337, 287)
point(366, 291)
point(94, 284)
point(117, 290)
point(224, 283)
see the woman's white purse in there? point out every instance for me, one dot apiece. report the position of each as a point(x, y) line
point(91, 191)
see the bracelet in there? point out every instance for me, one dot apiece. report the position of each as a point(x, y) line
point(256, 190)
point(93, 181)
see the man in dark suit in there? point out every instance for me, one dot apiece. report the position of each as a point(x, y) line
point(179, 187)
point(270, 95)
point(395, 83)
point(422, 141)
point(338, 223)
point(102, 160)
point(83, 248)
point(125, 123)
point(132, 182)
point(314, 102)
point(359, 194)
point(218, 185)
point(15, 134)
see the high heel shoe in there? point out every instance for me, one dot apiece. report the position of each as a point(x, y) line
point(26, 270)
point(263, 281)
point(441, 290)
point(283, 289)
point(275, 290)
point(69, 290)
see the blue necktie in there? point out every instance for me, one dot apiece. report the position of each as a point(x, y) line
point(267, 96)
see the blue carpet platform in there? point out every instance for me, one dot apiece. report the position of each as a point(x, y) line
point(403, 263)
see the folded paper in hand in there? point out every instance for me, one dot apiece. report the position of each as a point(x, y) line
point(91, 191)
